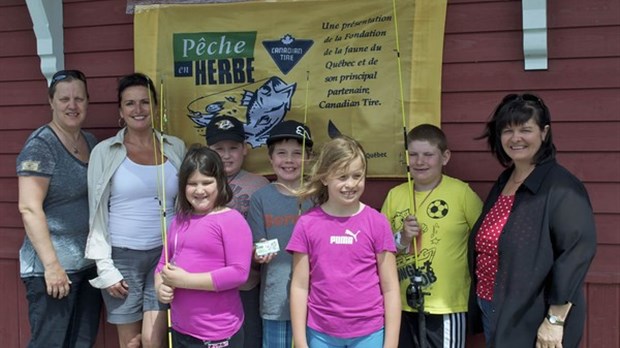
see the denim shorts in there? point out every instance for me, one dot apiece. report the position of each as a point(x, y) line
point(320, 340)
point(138, 270)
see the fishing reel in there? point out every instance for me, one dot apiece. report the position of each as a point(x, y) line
point(414, 293)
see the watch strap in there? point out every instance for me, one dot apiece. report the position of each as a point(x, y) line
point(555, 320)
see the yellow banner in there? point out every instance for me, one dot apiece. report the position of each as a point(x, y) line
point(331, 64)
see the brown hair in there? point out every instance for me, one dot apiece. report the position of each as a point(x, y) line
point(206, 161)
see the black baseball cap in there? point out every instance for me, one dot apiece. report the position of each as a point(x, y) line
point(224, 128)
point(290, 130)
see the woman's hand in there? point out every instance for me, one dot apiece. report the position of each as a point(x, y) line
point(118, 290)
point(56, 280)
point(165, 293)
point(549, 336)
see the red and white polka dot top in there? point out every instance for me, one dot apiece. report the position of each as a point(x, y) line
point(487, 245)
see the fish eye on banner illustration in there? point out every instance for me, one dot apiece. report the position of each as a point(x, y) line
point(326, 63)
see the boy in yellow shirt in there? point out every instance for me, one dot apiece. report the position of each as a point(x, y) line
point(445, 209)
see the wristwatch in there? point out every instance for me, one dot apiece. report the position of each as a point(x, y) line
point(555, 320)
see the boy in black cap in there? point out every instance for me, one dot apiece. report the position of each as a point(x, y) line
point(273, 213)
point(226, 136)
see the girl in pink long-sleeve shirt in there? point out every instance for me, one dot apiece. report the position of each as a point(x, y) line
point(209, 250)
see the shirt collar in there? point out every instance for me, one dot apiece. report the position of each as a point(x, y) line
point(535, 180)
point(120, 137)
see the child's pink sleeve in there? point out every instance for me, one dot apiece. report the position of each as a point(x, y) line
point(237, 240)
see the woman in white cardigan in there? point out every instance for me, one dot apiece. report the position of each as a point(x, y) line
point(129, 181)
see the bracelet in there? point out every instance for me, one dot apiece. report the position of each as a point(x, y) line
point(397, 236)
point(400, 247)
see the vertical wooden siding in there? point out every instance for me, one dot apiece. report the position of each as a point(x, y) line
point(483, 60)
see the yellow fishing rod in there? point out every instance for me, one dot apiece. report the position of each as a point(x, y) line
point(414, 293)
point(162, 181)
point(412, 208)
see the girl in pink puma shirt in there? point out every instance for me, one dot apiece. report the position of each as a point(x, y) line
point(344, 290)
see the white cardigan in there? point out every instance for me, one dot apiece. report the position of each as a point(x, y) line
point(105, 159)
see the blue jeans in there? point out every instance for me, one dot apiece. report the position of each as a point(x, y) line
point(277, 334)
point(320, 340)
point(71, 322)
point(487, 309)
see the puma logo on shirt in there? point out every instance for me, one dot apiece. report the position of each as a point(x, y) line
point(349, 239)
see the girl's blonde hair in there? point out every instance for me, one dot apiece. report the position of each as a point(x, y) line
point(336, 155)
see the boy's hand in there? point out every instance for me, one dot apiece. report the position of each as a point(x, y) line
point(411, 229)
point(264, 258)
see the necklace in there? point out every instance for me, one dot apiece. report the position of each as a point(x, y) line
point(415, 206)
point(418, 239)
point(513, 176)
point(64, 134)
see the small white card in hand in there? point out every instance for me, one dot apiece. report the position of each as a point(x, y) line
point(267, 247)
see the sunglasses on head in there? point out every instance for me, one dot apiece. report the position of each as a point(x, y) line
point(65, 74)
point(524, 97)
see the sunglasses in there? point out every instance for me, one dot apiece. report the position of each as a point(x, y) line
point(525, 97)
point(66, 74)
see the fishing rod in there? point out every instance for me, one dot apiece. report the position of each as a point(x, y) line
point(161, 178)
point(414, 293)
point(303, 141)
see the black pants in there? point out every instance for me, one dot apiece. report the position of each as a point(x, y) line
point(180, 340)
point(253, 323)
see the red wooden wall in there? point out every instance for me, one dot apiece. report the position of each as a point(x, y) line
point(98, 38)
point(483, 60)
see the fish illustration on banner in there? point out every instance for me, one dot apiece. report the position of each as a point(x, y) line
point(264, 107)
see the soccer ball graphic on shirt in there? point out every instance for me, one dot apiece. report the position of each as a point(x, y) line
point(437, 209)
